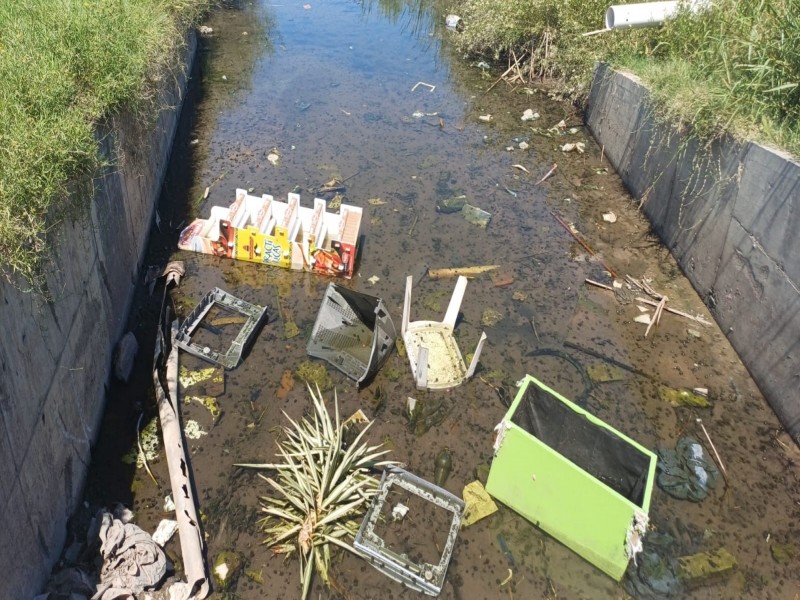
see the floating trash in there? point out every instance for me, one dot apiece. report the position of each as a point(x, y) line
point(452, 21)
point(579, 147)
point(393, 562)
point(435, 358)
point(193, 430)
point(353, 332)
point(529, 115)
point(476, 216)
point(574, 476)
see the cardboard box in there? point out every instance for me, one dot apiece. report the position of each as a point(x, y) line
point(284, 234)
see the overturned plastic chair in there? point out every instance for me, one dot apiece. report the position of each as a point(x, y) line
point(436, 361)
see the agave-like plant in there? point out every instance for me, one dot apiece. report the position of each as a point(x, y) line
point(322, 489)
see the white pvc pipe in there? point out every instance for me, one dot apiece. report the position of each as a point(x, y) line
point(648, 14)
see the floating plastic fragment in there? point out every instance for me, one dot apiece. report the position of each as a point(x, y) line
point(580, 147)
point(164, 532)
point(529, 115)
point(452, 21)
point(478, 504)
point(451, 205)
point(476, 216)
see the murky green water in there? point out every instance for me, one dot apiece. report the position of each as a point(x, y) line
point(331, 87)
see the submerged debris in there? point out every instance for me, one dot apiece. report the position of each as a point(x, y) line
point(314, 374)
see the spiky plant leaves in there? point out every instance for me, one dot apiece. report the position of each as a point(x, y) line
point(321, 489)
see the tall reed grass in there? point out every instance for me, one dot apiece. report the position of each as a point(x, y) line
point(734, 69)
point(64, 65)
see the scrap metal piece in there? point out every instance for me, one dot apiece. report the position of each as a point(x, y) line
point(256, 315)
point(422, 576)
point(432, 351)
point(353, 332)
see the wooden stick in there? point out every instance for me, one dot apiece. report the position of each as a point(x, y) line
point(719, 460)
point(457, 271)
point(586, 247)
point(533, 326)
point(656, 315)
point(674, 311)
point(546, 175)
point(414, 224)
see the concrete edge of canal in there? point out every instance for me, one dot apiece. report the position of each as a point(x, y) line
point(56, 357)
point(730, 214)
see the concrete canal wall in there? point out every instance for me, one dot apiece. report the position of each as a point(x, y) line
point(730, 214)
point(55, 357)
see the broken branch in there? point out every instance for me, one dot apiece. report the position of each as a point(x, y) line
point(546, 175)
point(584, 244)
point(674, 311)
point(458, 271)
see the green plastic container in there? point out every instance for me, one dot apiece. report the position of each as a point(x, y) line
point(574, 476)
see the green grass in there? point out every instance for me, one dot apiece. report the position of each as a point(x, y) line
point(732, 70)
point(64, 65)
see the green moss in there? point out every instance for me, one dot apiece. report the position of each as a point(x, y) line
point(683, 397)
point(315, 374)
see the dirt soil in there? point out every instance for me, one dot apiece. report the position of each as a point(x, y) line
point(330, 87)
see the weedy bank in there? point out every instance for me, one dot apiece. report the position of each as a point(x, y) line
point(733, 69)
point(65, 65)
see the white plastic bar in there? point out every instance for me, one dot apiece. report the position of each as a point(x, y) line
point(406, 306)
point(455, 303)
point(422, 368)
point(474, 363)
point(290, 220)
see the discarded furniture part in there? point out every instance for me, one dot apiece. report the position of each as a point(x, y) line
point(649, 14)
point(283, 234)
point(435, 359)
point(574, 476)
point(256, 315)
point(422, 577)
point(178, 463)
point(353, 332)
